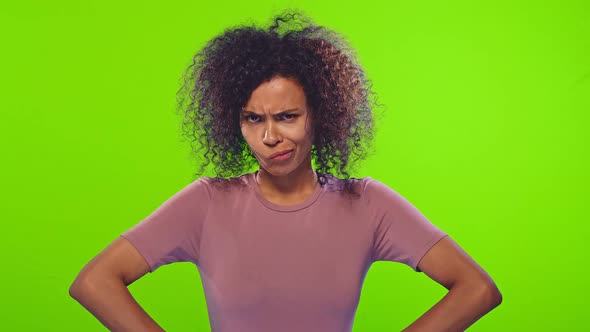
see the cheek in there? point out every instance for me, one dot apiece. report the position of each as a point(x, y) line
point(247, 135)
point(247, 131)
point(304, 140)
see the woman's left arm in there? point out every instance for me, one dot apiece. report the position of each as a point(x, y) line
point(472, 292)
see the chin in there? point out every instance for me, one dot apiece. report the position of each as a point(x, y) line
point(279, 171)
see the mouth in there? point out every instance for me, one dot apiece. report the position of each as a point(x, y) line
point(281, 155)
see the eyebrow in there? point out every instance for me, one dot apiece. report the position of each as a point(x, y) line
point(278, 113)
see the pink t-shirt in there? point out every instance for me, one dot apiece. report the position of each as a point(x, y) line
point(267, 267)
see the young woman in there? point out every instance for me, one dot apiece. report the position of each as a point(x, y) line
point(286, 247)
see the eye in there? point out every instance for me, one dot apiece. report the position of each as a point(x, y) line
point(289, 116)
point(252, 118)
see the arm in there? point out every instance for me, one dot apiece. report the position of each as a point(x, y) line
point(101, 287)
point(472, 293)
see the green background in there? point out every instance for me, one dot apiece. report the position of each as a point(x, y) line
point(485, 132)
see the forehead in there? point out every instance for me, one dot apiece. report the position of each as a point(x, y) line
point(277, 94)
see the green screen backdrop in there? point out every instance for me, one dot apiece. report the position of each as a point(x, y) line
point(485, 131)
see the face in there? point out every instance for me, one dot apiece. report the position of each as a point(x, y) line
point(276, 120)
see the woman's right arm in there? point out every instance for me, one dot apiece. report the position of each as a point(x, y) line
point(101, 287)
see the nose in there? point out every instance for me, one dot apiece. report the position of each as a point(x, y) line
point(271, 135)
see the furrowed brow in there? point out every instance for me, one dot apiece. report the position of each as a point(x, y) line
point(278, 113)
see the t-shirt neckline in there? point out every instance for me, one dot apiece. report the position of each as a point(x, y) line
point(283, 208)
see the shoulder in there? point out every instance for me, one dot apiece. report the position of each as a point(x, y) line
point(378, 193)
point(359, 184)
point(225, 185)
point(354, 187)
point(375, 187)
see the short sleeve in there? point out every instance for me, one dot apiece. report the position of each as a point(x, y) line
point(172, 232)
point(401, 232)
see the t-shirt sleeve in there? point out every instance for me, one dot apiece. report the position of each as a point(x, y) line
point(401, 232)
point(172, 233)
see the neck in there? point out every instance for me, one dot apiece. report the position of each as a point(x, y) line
point(300, 182)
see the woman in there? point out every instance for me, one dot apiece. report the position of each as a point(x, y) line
point(286, 247)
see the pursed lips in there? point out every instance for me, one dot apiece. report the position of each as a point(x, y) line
point(280, 153)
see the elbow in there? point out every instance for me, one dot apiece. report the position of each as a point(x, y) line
point(92, 283)
point(492, 295)
point(77, 287)
point(83, 285)
point(484, 292)
point(72, 291)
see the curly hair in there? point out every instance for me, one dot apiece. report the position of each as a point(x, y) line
point(229, 67)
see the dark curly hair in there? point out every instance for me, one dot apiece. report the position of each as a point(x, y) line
point(229, 67)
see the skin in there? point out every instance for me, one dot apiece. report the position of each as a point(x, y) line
point(267, 129)
point(472, 292)
point(101, 286)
